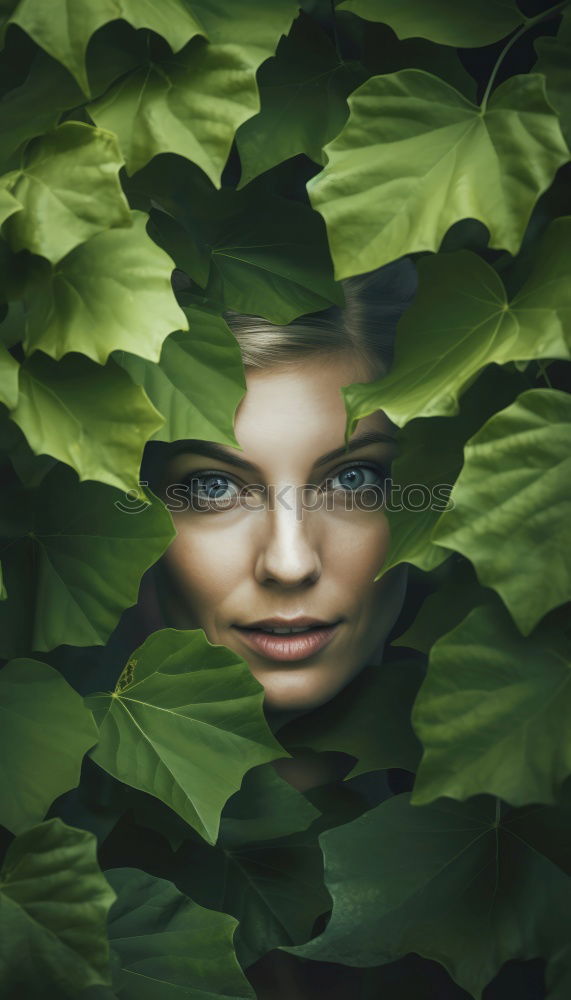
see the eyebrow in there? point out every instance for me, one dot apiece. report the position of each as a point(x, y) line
point(213, 450)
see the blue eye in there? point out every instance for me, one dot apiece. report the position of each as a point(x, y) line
point(213, 487)
point(358, 476)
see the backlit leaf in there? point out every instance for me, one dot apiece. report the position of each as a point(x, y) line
point(409, 164)
point(464, 24)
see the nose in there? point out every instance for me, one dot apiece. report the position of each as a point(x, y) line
point(287, 554)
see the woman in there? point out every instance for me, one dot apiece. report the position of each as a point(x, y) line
point(290, 532)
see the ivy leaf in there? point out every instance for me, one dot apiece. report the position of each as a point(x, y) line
point(170, 943)
point(184, 723)
point(65, 34)
point(370, 720)
point(8, 204)
point(111, 293)
point(53, 908)
point(9, 369)
point(68, 186)
point(409, 162)
point(465, 25)
point(75, 410)
point(303, 94)
point(75, 556)
point(436, 359)
point(253, 252)
point(198, 382)
point(512, 505)
point(553, 62)
point(38, 706)
point(449, 881)
point(442, 610)
point(35, 106)
point(431, 455)
point(495, 725)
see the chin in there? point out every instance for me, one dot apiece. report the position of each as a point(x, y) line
point(299, 690)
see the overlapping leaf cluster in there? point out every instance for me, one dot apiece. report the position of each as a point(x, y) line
point(266, 152)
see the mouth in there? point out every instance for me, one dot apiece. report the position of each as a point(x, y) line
point(288, 643)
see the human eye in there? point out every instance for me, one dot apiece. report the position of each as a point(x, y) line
point(358, 476)
point(211, 490)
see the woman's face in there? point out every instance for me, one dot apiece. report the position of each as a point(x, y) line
point(286, 549)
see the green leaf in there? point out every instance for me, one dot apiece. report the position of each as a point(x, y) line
point(553, 61)
point(193, 102)
point(184, 723)
point(449, 881)
point(303, 93)
point(409, 164)
point(446, 607)
point(498, 724)
point(198, 382)
point(69, 188)
point(429, 460)
point(38, 707)
point(467, 25)
point(273, 888)
point(255, 253)
point(76, 411)
point(111, 293)
point(3, 592)
point(512, 505)
point(8, 204)
point(460, 321)
point(53, 908)
point(370, 719)
point(35, 106)
point(75, 556)
point(9, 369)
point(65, 32)
point(168, 945)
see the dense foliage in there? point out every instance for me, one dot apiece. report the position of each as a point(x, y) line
point(266, 152)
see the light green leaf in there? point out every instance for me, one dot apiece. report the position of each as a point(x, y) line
point(303, 93)
point(255, 253)
point(460, 321)
point(198, 382)
point(54, 901)
point(184, 723)
point(75, 556)
point(111, 293)
point(193, 102)
point(498, 724)
point(464, 24)
point(554, 54)
point(410, 160)
point(168, 945)
point(69, 188)
point(9, 369)
point(8, 204)
point(449, 881)
point(427, 466)
point(64, 32)
point(91, 417)
point(370, 720)
point(513, 506)
point(38, 709)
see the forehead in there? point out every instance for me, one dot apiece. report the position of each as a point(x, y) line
point(303, 404)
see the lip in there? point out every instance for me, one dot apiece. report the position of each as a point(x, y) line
point(288, 647)
point(302, 621)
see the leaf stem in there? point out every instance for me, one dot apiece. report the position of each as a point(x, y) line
point(542, 365)
point(529, 22)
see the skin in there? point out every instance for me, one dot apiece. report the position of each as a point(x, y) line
point(232, 566)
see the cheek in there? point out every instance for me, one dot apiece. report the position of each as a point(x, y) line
point(203, 563)
point(358, 545)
